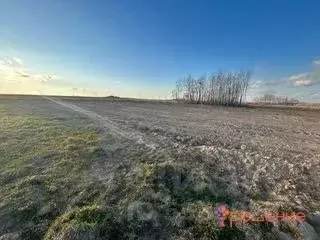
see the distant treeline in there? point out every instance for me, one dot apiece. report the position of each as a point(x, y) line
point(273, 99)
point(222, 88)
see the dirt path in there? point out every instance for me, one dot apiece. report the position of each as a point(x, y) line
point(114, 128)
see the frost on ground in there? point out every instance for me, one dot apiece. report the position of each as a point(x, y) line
point(104, 169)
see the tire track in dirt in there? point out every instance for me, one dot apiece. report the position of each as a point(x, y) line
point(114, 129)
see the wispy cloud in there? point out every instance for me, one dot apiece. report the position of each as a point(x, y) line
point(13, 69)
point(316, 63)
point(307, 79)
point(17, 78)
point(12, 62)
point(302, 85)
point(300, 79)
point(303, 79)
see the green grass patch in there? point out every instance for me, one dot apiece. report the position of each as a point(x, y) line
point(44, 164)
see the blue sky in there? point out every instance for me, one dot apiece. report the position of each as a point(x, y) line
point(139, 48)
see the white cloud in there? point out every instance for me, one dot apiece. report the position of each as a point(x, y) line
point(12, 62)
point(12, 69)
point(16, 78)
point(302, 82)
point(298, 77)
point(316, 63)
point(256, 85)
point(303, 79)
point(298, 86)
point(307, 79)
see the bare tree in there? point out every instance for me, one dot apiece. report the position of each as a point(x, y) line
point(278, 100)
point(220, 88)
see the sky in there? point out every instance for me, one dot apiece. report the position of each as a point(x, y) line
point(139, 48)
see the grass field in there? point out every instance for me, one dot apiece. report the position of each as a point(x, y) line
point(85, 168)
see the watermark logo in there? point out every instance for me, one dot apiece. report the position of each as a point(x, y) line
point(223, 214)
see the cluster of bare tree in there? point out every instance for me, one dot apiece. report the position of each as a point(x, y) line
point(273, 99)
point(222, 88)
